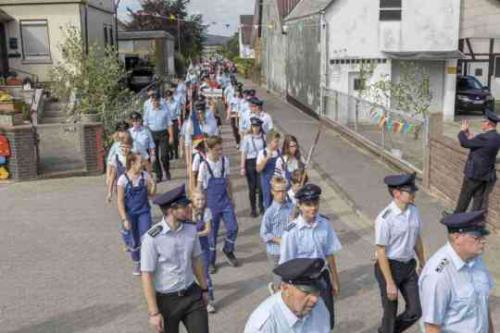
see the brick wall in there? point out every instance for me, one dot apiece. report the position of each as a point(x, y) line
point(22, 163)
point(91, 141)
point(446, 164)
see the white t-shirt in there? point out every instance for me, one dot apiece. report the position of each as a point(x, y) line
point(204, 175)
point(122, 180)
point(196, 161)
point(260, 155)
point(291, 165)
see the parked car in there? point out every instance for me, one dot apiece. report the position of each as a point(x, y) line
point(140, 78)
point(472, 95)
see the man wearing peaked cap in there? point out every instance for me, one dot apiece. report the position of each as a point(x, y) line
point(297, 307)
point(311, 235)
point(455, 284)
point(256, 107)
point(168, 273)
point(397, 245)
point(479, 172)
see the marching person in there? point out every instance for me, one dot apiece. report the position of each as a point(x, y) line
point(479, 174)
point(290, 159)
point(297, 308)
point(157, 119)
point(266, 164)
point(233, 115)
point(397, 240)
point(298, 179)
point(203, 218)
point(213, 178)
point(121, 130)
point(251, 145)
point(199, 155)
point(170, 262)
point(310, 235)
point(455, 284)
point(256, 107)
point(273, 224)
point(133, 191)
point(118, 163)
point(174, 107)
point(143, 140)
point(245, 112)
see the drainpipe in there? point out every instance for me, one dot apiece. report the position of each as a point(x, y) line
point(324, 60)
point(86, 28)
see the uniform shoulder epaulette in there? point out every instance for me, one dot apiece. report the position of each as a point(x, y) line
point(386, 213)
point(442, 265)
point(155, 231)
point(324, 216)
point(188, 222)
point(290, 226)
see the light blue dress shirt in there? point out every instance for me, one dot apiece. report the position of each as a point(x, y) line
point(309, 240)
point(174, 107)
point(251, 145)
point(143, 140)
point(245, 115)
point(454, 294)
point(398, 231)
point(169, 256)
point(274, 316)
point(157, 120)
point(273, 224)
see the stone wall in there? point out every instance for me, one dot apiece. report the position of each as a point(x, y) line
point(22, 163)
point(92, 148)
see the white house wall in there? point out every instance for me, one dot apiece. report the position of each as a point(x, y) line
point(57, 16)
point(480, 18)
point(96, 19)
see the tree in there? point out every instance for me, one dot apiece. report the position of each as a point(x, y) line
point(171, 16)
point(232, 49)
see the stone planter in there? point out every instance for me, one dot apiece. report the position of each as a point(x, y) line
point(89, 118)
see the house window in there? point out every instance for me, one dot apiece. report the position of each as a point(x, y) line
point(35, 40)
point(390, 10)
point(497, 67)
point(111, 37)
point(359, 84)
point(105, 35)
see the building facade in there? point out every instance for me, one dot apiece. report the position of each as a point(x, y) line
point(247, 50)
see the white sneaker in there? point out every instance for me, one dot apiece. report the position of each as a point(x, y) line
point(137, 269)
point(211, 308)
point(270, 287)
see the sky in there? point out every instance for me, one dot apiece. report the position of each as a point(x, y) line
point(216, 13)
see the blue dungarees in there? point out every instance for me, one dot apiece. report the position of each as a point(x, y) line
point(221, 207)
point(266, 176)
point(139, 215)
point(205, 249)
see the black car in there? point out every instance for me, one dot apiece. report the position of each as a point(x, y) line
point(472, 95)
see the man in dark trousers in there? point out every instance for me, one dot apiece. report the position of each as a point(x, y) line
point(480, 173)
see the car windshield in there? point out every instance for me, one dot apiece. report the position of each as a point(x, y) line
point(468, 83)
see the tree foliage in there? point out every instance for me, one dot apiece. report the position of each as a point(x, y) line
point(232, 49)
point(169, 15)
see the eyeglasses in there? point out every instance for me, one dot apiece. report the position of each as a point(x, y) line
point(292, 146)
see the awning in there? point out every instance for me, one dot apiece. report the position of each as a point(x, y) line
point(4, 17)
point(424, 55)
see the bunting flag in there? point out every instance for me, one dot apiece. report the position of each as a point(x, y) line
point(395, 127)
point(389, 124)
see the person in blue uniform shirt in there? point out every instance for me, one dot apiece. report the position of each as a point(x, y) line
point(157, 119)
point(397, 243)
point(479, 173)
point(311, 235)
point(256, 107)
point(297, 308)
point(251, 145)
point(213, 179)
point(266, 165)
point(143, 140)
point(455, 285)
point(173, 278)
point(174, 108)
point(245, 112)
point(273, 225)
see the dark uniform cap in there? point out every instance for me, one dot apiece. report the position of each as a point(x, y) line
point(255, 101)
point(473, 222)
point(309, 192)
point(254, 121)
point(135, 116)
point(491, 116)
point(404, 181)
point(304, 273)
point(200, 106)
point(252, 92)
point(175, 196)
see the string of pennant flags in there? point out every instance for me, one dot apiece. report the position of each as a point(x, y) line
point(381, 118)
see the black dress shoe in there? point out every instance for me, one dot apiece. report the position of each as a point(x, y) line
point(212, 268)
point(254, 214)
point(231, 259)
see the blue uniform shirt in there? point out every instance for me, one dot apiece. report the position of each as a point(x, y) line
point(143, 140)
point(274, 316)
point(454, 294)
point(273, 224)
point(251, 145)
point(169, 256)
point(157, 120)
point(174, 108)
point(309, 240)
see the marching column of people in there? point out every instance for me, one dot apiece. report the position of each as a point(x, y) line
point(178, 255)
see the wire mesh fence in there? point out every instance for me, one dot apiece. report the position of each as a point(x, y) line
point(398, 133)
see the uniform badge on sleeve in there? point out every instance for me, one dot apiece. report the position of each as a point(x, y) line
point(442, 265)
point(290, 226)
point(386, 213)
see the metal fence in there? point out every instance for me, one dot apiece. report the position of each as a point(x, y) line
point(398, 133)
